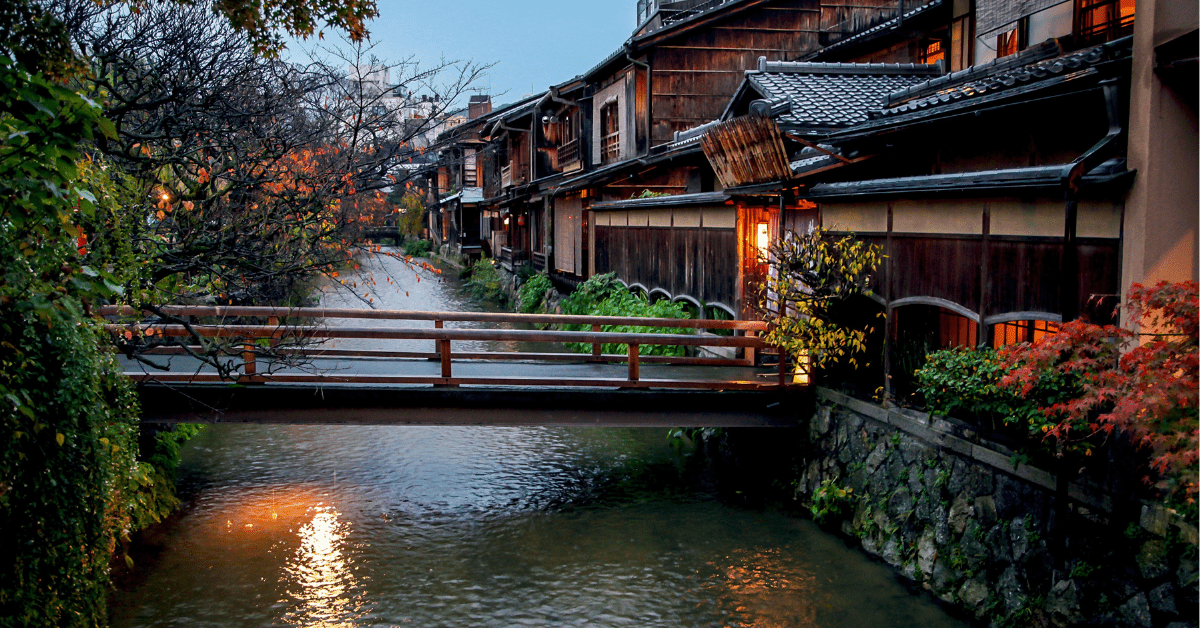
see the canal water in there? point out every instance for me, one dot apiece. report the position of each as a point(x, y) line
point(341, 526)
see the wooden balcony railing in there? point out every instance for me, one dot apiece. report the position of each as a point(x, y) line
point(506, 179)
point(568, 153)
point(539, 260)
point(610, 147)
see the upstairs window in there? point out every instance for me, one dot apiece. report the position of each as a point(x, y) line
point(933, 50)
point(1098, 21)
point(960, 44)
point(1013, 41)
point(610, 133)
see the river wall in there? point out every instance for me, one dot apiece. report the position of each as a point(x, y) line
point(955, 515)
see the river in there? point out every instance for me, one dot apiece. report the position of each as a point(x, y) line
point(332, 526)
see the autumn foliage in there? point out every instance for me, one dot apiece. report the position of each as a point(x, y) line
point(1140, 385)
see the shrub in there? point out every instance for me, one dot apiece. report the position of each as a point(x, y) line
point(603, 295)
point(966, 383)
point(533, 291)
point(484, 282)
point(417, 248)
point(830, 501)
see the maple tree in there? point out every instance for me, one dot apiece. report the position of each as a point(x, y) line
point(1141, 385)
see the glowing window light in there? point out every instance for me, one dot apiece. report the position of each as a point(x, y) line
point(764, 236)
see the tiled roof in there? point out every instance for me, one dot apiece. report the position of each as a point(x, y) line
point(832, 95)
point(874, 31)
point(1039, 64)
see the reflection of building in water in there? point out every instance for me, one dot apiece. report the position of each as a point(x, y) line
point(319, 575)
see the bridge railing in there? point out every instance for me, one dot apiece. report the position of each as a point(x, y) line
point(282, 325)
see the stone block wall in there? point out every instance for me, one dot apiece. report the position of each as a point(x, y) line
point(956, 516)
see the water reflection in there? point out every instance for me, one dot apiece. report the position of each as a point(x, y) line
point(319, 574)
point(768, 591)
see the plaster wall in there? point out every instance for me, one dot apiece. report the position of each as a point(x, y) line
point(1161, 209)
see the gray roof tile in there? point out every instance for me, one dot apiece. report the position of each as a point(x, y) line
point(824, 95)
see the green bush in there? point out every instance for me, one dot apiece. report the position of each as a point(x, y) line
point(484, 282)
point(965, 383)
point(603, 295)
point(533, 291)
point(417, 248)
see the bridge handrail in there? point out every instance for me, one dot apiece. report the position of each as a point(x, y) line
point(416, 315)
point(424, 333)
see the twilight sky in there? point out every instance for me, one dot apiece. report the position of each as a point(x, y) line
point(534, 43)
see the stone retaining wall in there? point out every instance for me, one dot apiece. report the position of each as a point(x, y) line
point(955, 515)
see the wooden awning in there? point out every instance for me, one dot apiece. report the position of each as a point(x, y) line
point(746, 150)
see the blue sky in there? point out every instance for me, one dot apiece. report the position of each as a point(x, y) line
point(534, 43)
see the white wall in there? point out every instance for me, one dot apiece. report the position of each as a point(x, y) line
point(617, 91)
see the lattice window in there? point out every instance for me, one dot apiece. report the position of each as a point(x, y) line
point(610, 133)
point(1014, 332)
point(1103, 20)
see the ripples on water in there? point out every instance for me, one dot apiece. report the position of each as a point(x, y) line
point(340, 526)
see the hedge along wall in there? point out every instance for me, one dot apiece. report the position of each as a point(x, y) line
point(954, 515)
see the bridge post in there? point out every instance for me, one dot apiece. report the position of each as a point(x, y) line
point(596, 345)
point(750, 351)
point(249, 368)
point(274, 322)
point(634, 374)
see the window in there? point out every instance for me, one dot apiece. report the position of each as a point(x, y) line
point(932, 51)
point(1012, 41)
point(469, 173)
point(1014, 332)
point(956, 331)
point(960, 44)
point(1103, 20)
point(610, 133)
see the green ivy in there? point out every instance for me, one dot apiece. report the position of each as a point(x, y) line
point(830, 501)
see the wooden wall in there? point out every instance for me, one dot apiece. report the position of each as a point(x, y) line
point(940, 249)
point(684, 260)
point(694, 75)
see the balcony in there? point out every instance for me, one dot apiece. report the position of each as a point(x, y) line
point(610, 147)
point(568, 153)
point(506, 179)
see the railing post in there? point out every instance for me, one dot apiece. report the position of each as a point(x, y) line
point(595, 345)
point(249, 367)
point(445, 351)
point(273, 321)
point(634, 373)
point(783, 374)
point(437, 344)
point(751, 351)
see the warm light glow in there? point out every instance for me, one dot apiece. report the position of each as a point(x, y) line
point(764, 236)
point(166, 197)
point(800, 375)
point(320, 573)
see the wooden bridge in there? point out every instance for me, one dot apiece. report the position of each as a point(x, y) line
point(292, 365)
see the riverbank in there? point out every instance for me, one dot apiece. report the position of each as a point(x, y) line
point(958, 517)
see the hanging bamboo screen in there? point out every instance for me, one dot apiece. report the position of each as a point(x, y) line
point(747, 150)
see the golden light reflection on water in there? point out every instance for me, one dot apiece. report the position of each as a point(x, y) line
point(319, 574)
point(767, 592)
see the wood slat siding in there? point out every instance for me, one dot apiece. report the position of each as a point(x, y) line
point(1023, 273)
point(684, 261)
point(944, 268)
point(697, 73)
